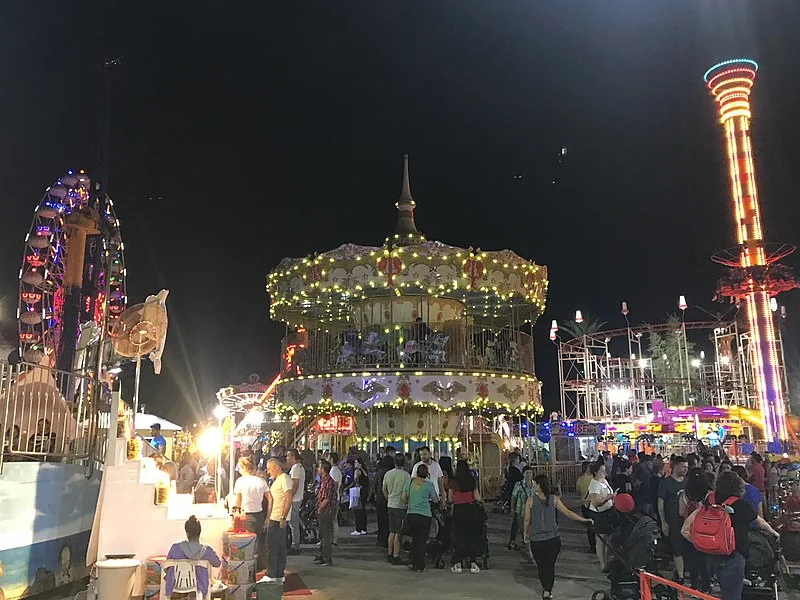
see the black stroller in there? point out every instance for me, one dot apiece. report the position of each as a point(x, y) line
point(636, 545)
point(439, 538)
point(761, 569)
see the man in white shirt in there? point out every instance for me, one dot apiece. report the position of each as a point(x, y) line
point(280, 503)
point(298, 475)
point(248, 495)
point(336, 475)
point(435, 474)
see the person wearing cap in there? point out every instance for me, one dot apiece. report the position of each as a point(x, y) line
point(157, 440)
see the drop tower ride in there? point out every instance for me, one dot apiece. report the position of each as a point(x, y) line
point(755, 274)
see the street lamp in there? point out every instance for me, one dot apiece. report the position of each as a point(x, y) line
point(220, 412)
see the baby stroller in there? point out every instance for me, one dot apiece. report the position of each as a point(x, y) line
point(309, 526)
point(439, 538)
point(761, 569)
point(636, 545)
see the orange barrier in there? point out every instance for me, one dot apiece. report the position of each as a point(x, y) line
point(645, 593)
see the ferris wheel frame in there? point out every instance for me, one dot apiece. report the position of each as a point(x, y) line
point(40, 309)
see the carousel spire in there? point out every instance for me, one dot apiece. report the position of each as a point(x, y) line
point(405, 207)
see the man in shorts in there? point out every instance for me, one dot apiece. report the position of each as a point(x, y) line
point(671, 521)
point(394, 482)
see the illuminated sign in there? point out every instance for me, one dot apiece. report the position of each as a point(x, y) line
point(335, 424)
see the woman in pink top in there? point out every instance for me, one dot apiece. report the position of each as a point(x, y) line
point(468, 517)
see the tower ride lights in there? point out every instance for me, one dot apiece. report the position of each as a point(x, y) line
point(755, 274)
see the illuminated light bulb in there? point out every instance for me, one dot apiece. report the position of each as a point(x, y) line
point(578, 317)
point(682, 302)
point(773, 304)
point(553, 334)
point(625, 308)
point(554, 325)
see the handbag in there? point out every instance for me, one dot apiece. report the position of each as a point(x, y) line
point(355, 497)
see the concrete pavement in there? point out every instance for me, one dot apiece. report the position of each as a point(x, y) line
point(360, 571)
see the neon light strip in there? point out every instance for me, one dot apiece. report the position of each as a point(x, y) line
point(710, 83)
point(730, 62)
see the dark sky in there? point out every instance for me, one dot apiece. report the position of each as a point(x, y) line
point(246, 132)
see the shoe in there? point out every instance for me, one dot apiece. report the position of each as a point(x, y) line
point(274, 579)
point(456, 569)
point(512, 546)
point(326, 563)
point(293, 551)
point(356, 532)
point(334, 543)
point(319, 559)
point(319, 544)
point(396, 560)
point(474, 568)
point(546, 595)
point(364, 532)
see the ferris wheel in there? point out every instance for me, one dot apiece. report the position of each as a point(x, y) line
point(72, 279)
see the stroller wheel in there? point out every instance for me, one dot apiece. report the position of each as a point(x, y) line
point(601, 595)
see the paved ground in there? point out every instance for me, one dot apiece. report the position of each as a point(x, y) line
point(362, 573)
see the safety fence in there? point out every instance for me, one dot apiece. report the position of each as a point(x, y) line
point(50, 415)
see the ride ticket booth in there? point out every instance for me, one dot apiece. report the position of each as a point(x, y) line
point(574, 441)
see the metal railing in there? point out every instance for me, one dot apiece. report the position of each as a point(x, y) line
point(50, 415)
point(450, 346)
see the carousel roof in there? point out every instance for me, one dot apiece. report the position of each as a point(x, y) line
point(322, 287)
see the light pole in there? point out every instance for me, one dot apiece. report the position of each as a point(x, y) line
point(220, 412)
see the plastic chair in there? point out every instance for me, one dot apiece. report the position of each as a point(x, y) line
point(185, 577)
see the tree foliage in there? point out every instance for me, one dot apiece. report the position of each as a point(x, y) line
point(668, 351)
point(573, 329)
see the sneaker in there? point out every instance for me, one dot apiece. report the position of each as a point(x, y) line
point(326, 563)
point(474, 568)
point(547, 595)
point(319, 559)
point(396, 560)
point(355, 533)
point(456, 569)
point(274, 579)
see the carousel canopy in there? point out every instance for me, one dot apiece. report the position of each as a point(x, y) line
point(322, 288)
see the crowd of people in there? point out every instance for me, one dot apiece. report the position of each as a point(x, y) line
point(674, 492)
point(409, 493)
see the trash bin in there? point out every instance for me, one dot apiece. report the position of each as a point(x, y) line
point(115, 578)
point(269, 591)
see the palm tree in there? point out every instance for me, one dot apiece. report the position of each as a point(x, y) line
point(589, 326)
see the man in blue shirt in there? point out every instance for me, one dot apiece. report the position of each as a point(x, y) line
point(158, 442)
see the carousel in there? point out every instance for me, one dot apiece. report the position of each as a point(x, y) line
point(413, 343)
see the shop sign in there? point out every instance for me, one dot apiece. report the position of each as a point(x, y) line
point(335, 424)
point(576, 428)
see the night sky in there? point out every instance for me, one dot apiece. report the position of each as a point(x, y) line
point(246, 132)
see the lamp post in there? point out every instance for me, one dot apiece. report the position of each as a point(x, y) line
point(220, 412)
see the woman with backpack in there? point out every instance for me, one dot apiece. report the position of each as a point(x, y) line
point(716, 520)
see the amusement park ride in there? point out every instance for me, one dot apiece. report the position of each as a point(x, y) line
point(411, 343)
point(741, 387)
point(72, 276)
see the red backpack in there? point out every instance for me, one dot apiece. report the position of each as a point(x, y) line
point(712, 530)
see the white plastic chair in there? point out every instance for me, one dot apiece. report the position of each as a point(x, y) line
point(185, 577)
